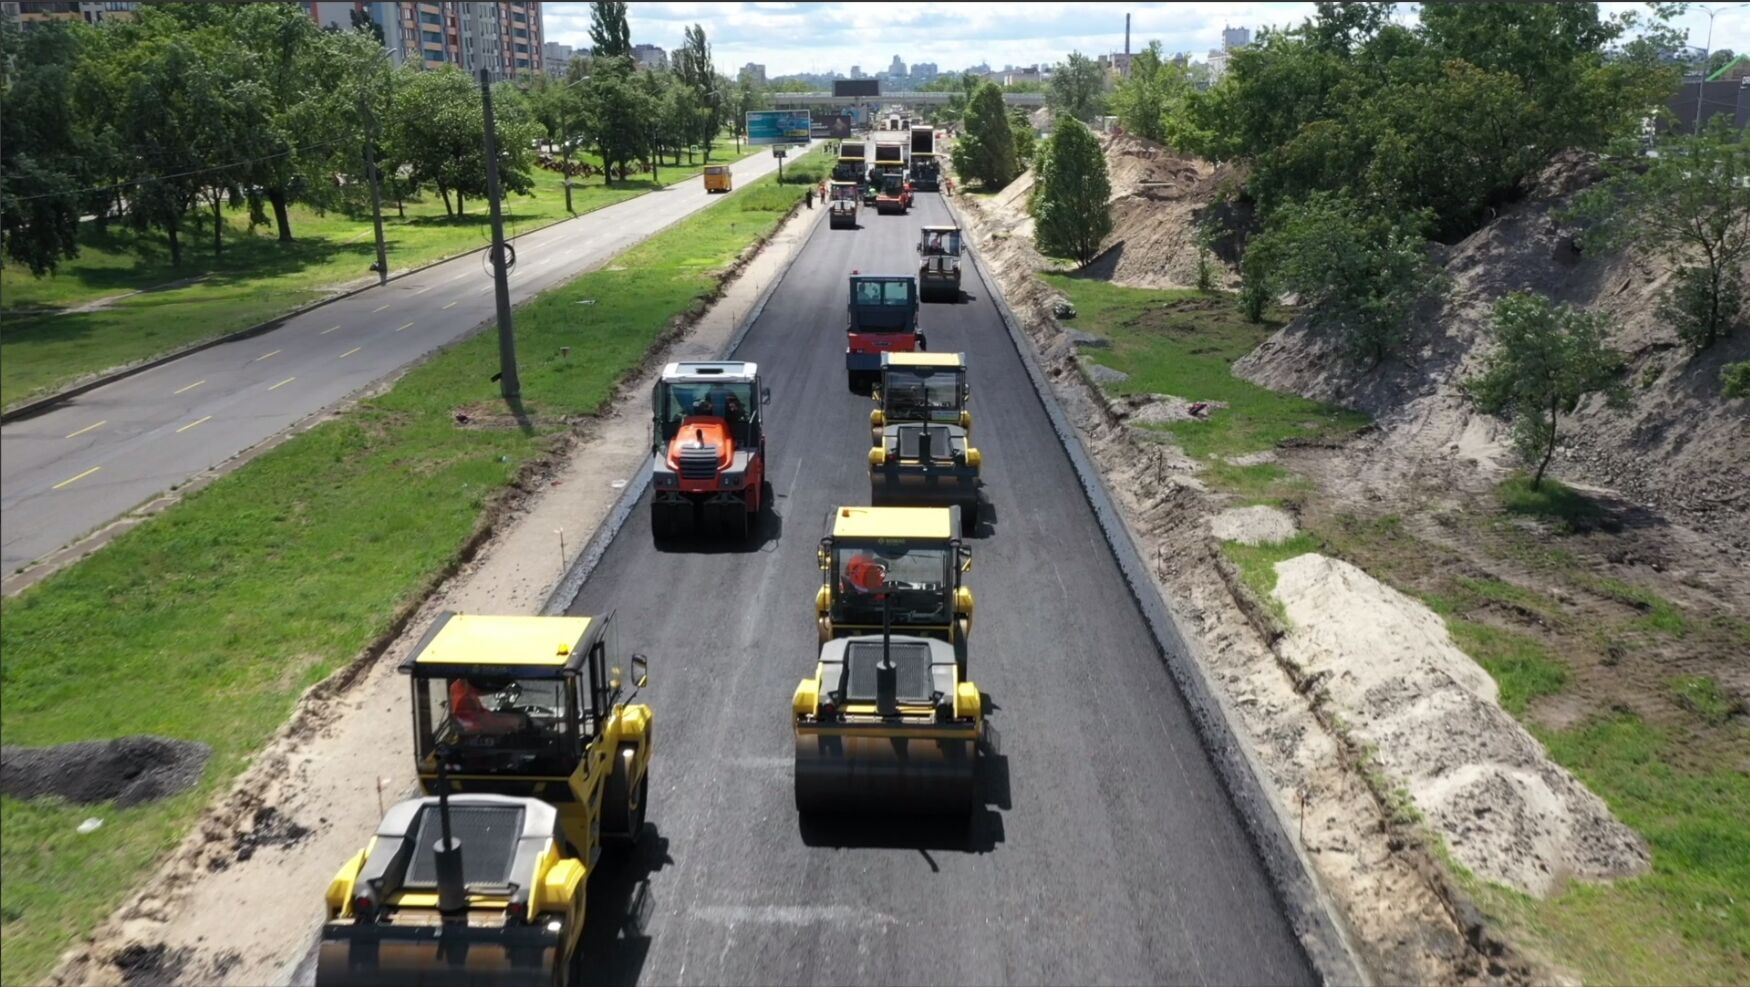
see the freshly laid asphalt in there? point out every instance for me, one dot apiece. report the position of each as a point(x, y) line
point(72, 469)
point(1106, 850)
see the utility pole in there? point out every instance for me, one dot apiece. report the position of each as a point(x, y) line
point(508, 383)
point(376, 180)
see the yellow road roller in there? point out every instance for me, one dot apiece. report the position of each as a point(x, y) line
point(923, 455)
point(531, 755)
point(887, 722)
point(907, 555)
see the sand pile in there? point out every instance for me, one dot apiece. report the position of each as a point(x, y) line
point(1431, 717)
point(1158, 198)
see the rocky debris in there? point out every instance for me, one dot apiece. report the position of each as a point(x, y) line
point(126, 771)
point(1086, 340)
point(1430, 716)
point(1101, 374)
point(1062, 309)
point(1255, 525)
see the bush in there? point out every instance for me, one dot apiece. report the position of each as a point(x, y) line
point(1700, 310)
point(1071, 198)
point(1735, 379)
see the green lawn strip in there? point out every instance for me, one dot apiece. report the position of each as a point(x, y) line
point(1184, 343)
point(1688, 920)
point(254, 279)
point(209, 621)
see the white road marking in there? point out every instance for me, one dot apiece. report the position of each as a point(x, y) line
point(264, 356)
point(282, 383)
point(192, 386)
point(350, 352)
point(192, 424)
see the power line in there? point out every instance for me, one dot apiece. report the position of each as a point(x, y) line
point(184, 174)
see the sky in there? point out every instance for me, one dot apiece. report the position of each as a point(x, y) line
point(821, 37)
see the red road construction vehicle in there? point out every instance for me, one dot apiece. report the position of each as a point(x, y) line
point(894, 196)
point(883, 319)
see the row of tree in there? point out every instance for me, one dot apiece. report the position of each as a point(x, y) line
point(168, 120)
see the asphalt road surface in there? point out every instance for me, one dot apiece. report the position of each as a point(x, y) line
point(70, 470)
point(1106, 850)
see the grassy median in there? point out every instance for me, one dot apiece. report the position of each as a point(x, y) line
point(207, 622)
point(153, 308)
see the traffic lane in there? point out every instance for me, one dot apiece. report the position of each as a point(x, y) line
point(1106, 851)
point(115, 431)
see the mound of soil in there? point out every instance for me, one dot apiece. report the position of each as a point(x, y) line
point(126, 771)
point(1679, 448)
point(1431, 717)
point(1158, 199)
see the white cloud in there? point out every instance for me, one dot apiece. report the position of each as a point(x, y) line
point(819, 37)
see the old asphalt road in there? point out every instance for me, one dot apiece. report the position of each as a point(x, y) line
point(1107, 851)
point(72, 469)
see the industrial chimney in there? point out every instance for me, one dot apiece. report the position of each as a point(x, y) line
point(1127, 36)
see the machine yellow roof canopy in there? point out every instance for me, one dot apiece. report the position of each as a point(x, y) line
point(479, 639)
point(921, 523)
point(923, 359)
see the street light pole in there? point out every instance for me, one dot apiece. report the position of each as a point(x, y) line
point(382, 265)
point(1707, 56)
point(509, 384)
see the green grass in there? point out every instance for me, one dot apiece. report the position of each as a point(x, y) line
point(1685, 922)
point(1657, 613)
point(1552, 500)
point(1184, 343)
point(255, 278)
point(209, 621)
point(1703, 696)
point(1257, 565)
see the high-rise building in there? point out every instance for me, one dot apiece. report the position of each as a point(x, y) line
point(504, 38)
point(753, 71)
point(924, 71)
point(28, 12)
point(649, 57)
point(857, 72)
point(557, 58)
point(1235, 37)
point(897, 69)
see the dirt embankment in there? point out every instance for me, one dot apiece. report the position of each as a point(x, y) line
point(1680, 449)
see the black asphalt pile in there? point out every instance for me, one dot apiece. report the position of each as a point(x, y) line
point(127, 770)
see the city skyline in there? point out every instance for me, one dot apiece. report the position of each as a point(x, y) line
point(823, 38)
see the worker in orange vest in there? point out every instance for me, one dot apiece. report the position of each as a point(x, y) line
point(472, 716)
point(867, 575)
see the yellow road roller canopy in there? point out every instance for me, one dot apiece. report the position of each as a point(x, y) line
point(920, 523)
point(923, 359)
point(479, 639)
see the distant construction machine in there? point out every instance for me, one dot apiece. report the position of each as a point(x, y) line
point(708, 449)
point(939, 249)
point(531, 755)
point(888, 721)
point(926, 167)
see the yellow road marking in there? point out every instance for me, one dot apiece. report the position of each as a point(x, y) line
point(192, 386)
point(425, 289)
point(75, 479)
point(265, 356)
point(350, 352)
point(407, 326)
point(452, 305)
point(192, 424)
point(87, 428)
point(282, 383)
point(327, 330)
point(379, 308)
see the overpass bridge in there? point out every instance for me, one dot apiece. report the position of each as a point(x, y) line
point(810, 100)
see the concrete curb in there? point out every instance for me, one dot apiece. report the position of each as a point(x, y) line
point(1309, 913)
point(605, 533)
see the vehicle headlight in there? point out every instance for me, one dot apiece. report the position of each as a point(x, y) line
point(733, 478)
point(666, 480)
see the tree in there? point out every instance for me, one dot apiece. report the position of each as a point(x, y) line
point(985, 153)
point(693, 65)
point(278, 41)
point(42, 167)
point(1547, 358)
point(1070, 207)
point(1026, 142)
point(1143, 97)
point(1356, 271)
point(1719, 59)
point(1078, 89)
point(619, 114)
point(609, 34)
point(1690, 203)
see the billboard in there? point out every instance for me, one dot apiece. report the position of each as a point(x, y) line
point(837, 127)
point(778, 126)
point(856, 87)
